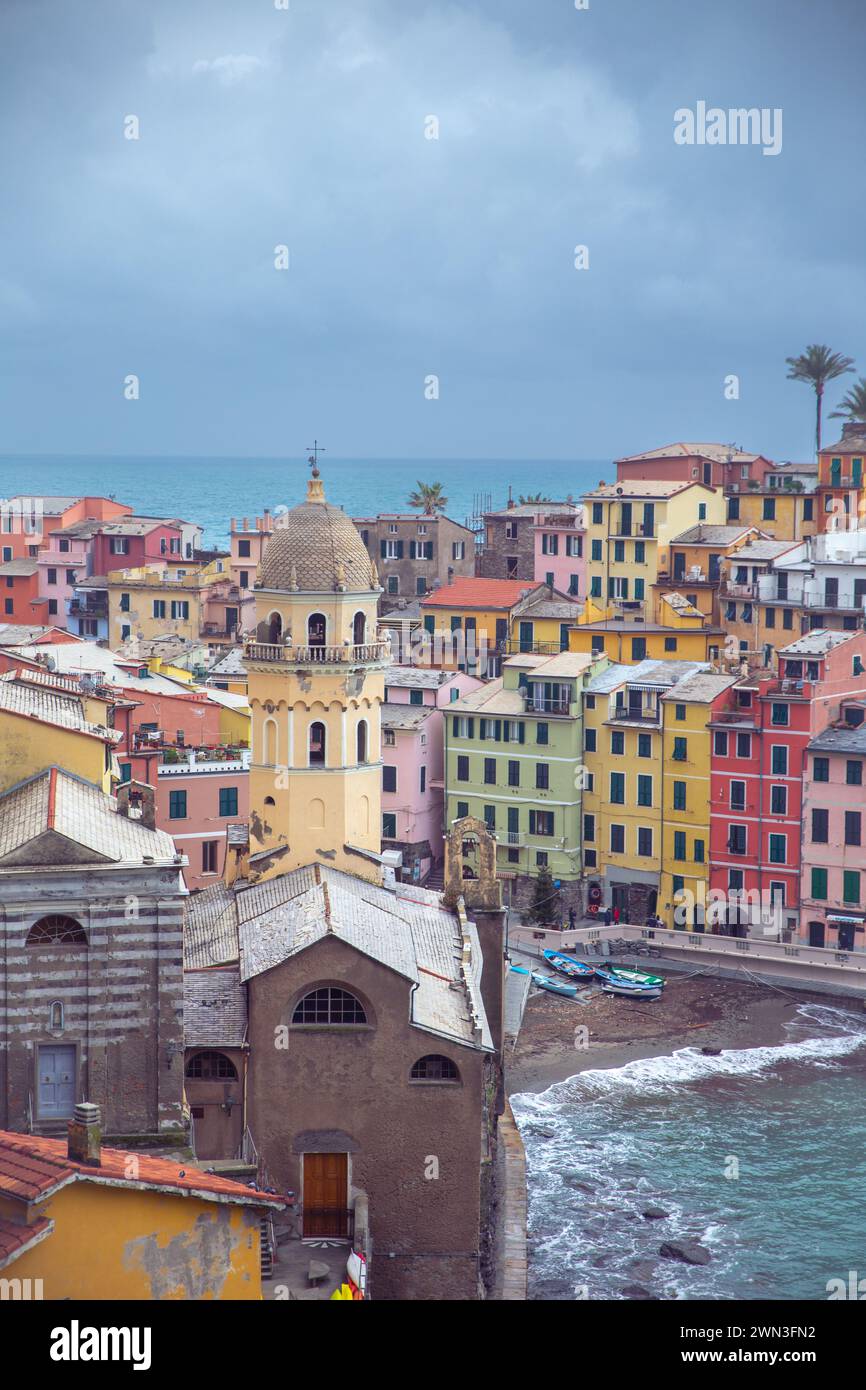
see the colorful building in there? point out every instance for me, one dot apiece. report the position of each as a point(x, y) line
point(84, 1222)
point(755, 627)
point(413, 769)
point(509, 547)
point(717, 465)
point(19, 589)
point(513, 760)
point(695, 564)
point(27, 522)
point(840, 495)
point(43, 721)
point(145, 603)
point(469, 621)
point(559, 555)
point(789, 512)
point(681, 633)
point(626, 728)
point(833, 882)
point(629, 530)
point(316, 684)
point(760, 735)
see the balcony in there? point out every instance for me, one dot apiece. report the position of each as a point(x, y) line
point(537, 704)
point(731, 590)
point(512, 648)
point(348, 655)
point(633, 714)
point(87, 608)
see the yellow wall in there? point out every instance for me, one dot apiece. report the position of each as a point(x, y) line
point(118, 1243)
point(673, 514)
point(485, 621)
point(144, 588)
point(315, 807)
point(694, 821)
point(690, 645)
point(789, 523)
point(26, 747)
point(235, 724)
point(601, 764)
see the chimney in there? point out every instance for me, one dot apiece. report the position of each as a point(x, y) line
point(85, 1135)
point(136, 801)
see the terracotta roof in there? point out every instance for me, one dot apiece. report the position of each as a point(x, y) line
point(718, 452)
point(16, 1238)
point(32, 1167)
point(480, 593)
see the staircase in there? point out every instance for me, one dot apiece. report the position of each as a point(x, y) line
point(267, 1252)
point(435, 880)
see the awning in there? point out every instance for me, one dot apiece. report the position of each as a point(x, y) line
point(840, 920)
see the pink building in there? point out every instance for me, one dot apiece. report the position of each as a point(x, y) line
point(197, 797)
point(413, 788)
point(833, 886)
point(63, 561)
point(247, 547)
point(559, 557)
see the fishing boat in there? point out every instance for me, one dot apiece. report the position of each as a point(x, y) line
point(631, 991)
point(568, 965)
point(545, 982)
point(629, 975)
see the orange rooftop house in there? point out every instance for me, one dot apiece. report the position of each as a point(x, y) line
point(79, 1221)
point(470, 619)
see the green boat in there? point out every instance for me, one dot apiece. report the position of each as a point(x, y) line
point(633, 976)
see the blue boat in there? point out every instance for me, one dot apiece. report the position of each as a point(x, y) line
point(568, 965)
point(544, 982)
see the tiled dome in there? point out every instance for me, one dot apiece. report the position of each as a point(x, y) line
point(315, 547)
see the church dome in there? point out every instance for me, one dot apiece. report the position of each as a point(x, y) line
point(315, 547)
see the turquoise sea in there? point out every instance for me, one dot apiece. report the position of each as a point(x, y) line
point(759, 1155)
point(212, 490)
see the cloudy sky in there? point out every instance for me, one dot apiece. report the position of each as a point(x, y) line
point(412, 257)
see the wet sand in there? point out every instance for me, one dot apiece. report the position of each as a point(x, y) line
point(694, 1011)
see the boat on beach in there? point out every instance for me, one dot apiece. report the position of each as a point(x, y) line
point(545, 982)
point(631, 991)
point(569, 966)
point(629, 975)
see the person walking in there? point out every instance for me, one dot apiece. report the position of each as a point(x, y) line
point(616, 916)
point(608, 916)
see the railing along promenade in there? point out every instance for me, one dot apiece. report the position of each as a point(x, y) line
point(799, 965)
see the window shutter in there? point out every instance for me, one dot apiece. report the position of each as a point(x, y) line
point(471, 724)
point(428, 550)
point(399, 550)
point(497, 730)
point(532, 822)
point(411, 550)
point(482, 731)
point(521, 733)
point(383, 549)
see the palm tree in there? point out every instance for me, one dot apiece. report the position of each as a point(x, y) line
point(818, 365)
point(533, 497)
point(429, 498)
point(853, 406)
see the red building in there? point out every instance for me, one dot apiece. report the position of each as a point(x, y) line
point(760, 733)
point(717, 465)
point(134, 541)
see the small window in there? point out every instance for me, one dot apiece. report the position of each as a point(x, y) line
point(212, 1066)
point(435, 1068)
point(329, 1006)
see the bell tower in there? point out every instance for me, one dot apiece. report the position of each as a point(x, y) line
point(316, 685)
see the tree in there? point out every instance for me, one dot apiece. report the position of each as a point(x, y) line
point(532, 498)
point(818, 365)
point(545, 907)
point(428, 496)
point(853, 405)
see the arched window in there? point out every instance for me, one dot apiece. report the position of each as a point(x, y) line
point(434, 1067)
point(316, 630)
point(362, 741)
point(269, 801)
point(56, 930)
point(359, 630)
point(55, 1016)
point(212, 1066)
point(317, 743)
point(275, 627)
point(329, 1006)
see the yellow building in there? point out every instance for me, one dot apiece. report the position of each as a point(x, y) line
point(104, 1224)
point(45, 722)
point(680, 634)
point(755, 627)
point(150, 602)
point(630, 527)
point(474, 618)
point(785, 513)
point(623, 797)
point(694, 564)
point(316, 686)
point(685, 797)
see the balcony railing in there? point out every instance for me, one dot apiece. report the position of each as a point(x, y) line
point(731, 590)
point(537, 704)
point(513, 648)
point(88, 610)
point(633, 715)
point(317, 656)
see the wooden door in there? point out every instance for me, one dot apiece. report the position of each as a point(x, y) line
point(326, 1194)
